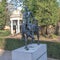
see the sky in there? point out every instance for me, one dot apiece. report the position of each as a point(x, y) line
point(58, 0)
point(8, 1)
point(17, 5)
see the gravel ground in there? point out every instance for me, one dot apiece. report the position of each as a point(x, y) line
point(6, 55)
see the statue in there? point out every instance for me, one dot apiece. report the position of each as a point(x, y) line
point(28, 28)
point(27, 15)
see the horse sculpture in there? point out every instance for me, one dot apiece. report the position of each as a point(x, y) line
point(28, 30)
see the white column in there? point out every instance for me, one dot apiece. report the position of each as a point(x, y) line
point(11, 26)
point(18, 27)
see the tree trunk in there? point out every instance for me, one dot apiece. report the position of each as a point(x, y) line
point(50, 30)
point(43, 30)
point(58, 28)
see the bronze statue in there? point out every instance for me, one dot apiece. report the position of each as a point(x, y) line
point(28, 29)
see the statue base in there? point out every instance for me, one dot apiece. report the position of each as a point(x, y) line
point(35, 52)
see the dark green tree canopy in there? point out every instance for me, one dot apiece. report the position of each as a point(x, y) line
point(45, 11)
point(2, 13)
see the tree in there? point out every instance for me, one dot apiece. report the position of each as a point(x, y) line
point(58, 24)
point(3, 14)
point(45, 11)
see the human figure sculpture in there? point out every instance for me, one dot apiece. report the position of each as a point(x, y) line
point(28, 29)
point(27, 15)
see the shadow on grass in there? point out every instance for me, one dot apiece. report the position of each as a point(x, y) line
point(53, 48)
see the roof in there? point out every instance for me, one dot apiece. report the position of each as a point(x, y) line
point(16, 13)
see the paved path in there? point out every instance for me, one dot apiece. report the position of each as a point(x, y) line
point(6, 55)
point(18, 36)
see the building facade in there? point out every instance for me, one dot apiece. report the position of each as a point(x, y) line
point(15, 20)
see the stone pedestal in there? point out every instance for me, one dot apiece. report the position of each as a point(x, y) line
point(35, 52)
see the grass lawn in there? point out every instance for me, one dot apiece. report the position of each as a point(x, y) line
point(4, 33)
point(53, 48)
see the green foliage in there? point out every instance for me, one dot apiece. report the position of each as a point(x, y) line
point(45, 11)
point(2, 14)
point(59, 13)
point(4, 33)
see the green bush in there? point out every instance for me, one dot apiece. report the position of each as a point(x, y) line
point(1, 27)
point(4, 33)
